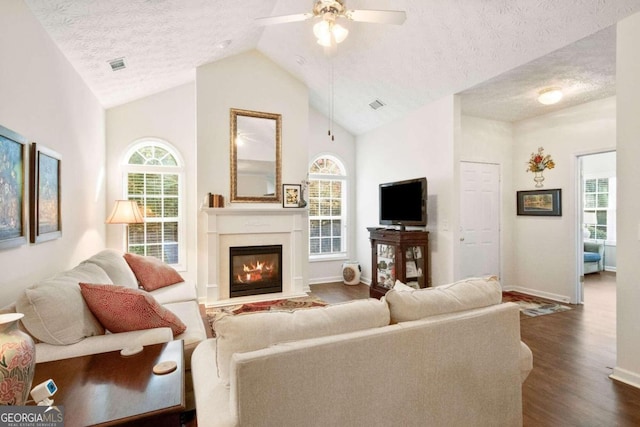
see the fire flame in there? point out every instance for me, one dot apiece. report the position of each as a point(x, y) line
point(255, 272)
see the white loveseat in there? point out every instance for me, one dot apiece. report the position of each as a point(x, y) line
point(445, 356)
point(56, 311)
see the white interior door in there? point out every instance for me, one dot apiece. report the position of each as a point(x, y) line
point(479, 219)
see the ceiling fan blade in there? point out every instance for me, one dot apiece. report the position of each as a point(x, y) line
point(283, 19)
point(396, 17)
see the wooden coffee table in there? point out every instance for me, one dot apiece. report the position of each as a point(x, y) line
point(109, 389)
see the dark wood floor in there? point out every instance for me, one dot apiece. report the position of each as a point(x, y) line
point(573, 355)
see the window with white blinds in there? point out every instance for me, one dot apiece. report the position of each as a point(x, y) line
point(600, 207)
point(153, 179)
point(327, 207)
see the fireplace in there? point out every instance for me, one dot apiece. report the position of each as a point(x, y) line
point(233, 227)
point(255, 270)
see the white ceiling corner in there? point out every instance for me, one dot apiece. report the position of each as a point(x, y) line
point(444, 47)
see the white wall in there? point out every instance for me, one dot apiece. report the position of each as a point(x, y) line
point(45, 100)
point(421, 144)
point(546, 247)
point(170, 116)
point(344, 148)
point(628, 152)
point(491, 141)
point(248, 81)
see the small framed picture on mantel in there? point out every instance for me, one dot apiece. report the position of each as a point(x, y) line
point(292, 194)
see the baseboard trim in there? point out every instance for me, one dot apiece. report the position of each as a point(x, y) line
point(625, 376)
point(537, 293)
point(321, 280)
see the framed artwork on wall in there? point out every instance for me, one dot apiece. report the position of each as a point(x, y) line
point(540, 202)
point(13, 206)
point(46, 221)
point(292, 195)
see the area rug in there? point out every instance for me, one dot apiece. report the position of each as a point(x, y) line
point(531, 306)
point(289, 304)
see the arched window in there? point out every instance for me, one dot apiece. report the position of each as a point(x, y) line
point(153, 177)
point(327, 207)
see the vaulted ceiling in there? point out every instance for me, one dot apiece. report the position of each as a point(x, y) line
point(496, 53)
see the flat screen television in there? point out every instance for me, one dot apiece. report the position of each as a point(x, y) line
point(404, 203)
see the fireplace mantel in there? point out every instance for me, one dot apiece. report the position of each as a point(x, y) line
point(231, 226)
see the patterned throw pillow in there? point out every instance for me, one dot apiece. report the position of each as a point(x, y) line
point(151, 272)
point(122, 309)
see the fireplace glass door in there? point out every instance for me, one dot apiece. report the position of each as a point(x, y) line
point(255, 270)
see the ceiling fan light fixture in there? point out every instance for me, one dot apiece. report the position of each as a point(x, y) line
point(327, 30)
point(550, 96)
point(328, 33)
point(325, 40)
point(339, 32)
point(321, 30)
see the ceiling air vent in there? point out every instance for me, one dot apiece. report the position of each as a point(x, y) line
point(117, 64)
point(377, 104)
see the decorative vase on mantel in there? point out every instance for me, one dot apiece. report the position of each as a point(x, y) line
point(17, 361)
point(538, 178)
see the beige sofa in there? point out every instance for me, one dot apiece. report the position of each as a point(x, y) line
point(446, 356)
point(56, 312)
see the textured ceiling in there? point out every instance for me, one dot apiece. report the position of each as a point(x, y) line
point(444, 47)
point(585, 70)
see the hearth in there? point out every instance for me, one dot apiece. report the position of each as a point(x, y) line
point(255, 270)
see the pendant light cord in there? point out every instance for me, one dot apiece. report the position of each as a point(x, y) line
point(331, 100)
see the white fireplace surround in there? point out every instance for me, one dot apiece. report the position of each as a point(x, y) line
point(227, 227)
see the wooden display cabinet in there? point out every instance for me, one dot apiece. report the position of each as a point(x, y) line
point(398, 255)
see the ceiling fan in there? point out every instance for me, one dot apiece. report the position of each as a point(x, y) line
point(327, 30)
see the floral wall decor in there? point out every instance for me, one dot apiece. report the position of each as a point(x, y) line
point(538, 163)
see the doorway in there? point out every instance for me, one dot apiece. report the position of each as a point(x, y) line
point(479, 220)
point(597, 221)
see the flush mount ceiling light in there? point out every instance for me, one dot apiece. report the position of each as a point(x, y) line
point(327, 30)
point(550, 96)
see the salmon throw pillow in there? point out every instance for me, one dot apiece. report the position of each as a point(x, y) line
point(122, 309)
point(152, 273)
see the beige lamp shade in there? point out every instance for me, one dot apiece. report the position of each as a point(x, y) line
point(125, 212)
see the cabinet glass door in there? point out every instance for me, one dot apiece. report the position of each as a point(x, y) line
point(414, 263)
point(386, 265)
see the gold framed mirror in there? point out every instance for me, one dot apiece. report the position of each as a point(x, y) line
point(255, 156)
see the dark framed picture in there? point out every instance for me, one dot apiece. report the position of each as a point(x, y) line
point(540, 202)
point(13, 206)
point(291, 195)
point(46, 221)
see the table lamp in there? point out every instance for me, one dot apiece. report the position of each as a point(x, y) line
point(125, 212)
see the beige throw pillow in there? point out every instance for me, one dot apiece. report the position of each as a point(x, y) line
point(54, 310)
point(459, 296)
point(113, 263)
point(254, 331)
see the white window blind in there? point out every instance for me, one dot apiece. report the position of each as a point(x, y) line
point(327, 207)
point(153, 180)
